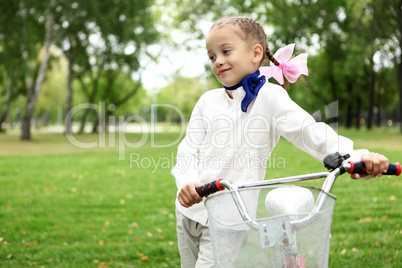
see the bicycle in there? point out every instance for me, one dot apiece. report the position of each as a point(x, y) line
point(276, 226)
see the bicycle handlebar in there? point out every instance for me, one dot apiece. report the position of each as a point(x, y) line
point(209, 188)
point(360, 168)
point(355, 167)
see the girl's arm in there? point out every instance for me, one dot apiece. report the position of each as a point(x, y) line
point(186, 169)
point(316, 138)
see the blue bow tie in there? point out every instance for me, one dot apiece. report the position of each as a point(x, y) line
point(251, 84)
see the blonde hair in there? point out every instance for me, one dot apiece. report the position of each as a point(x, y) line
point(253, 32)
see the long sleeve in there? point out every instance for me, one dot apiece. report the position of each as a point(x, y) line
point(299, 127)
point(224, 142)
point(186, 168)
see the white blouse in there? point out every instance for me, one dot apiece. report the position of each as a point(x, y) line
point(224, 142)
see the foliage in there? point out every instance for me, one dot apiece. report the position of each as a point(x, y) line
point(115, 39)
point(98, 38)
point(29, 27)
point(341, 36)
point(53, 95)
point(183, 94)
point(123, 85)
point(354, 49)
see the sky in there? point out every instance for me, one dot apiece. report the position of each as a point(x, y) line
point(156, 74)
point(188, 62)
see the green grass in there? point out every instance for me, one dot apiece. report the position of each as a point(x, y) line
point(62, 206)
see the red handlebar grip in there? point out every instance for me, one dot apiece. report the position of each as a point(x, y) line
point(352, 167)
point(398, 169)
point(360, 168)
point(209, 188)
point(220, 188)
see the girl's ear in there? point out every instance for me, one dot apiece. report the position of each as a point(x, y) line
point(258, 53)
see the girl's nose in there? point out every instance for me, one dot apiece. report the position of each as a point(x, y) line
point(219, 61)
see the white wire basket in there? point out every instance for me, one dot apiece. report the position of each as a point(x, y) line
point(291, 240)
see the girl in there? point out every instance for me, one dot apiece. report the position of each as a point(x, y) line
point(233, 130)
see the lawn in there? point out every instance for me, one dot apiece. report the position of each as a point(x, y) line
point(113, 205)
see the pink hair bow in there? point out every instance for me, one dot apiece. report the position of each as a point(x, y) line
point(290, 68)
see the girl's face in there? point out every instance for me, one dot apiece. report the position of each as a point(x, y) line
point(232, 58)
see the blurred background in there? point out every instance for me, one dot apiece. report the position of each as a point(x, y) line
point(99, 92)
point(124, 55)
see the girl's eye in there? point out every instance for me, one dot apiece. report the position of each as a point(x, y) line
point(212, 58)
point(226, 51)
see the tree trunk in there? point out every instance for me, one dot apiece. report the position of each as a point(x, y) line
point(68, 123)
point(4, 116)
point(371, 104)
point(399, 18)
point(84, 120)
point(34, 89)
point(358, 112)
point(332, 84)
point(400, 92)
point(91, 98)
point(95, 126)
point(378, 105)
point(99, 118)
point(26, 120)
point(85, 116)
point(349, 115)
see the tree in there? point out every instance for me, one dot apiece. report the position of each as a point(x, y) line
point(11, 77)
point(99, 39)
point(52, 99)
point(8, 97)
point(73, 33)
point(111, 98)
point(21, 34)
point(183, 94)
point(34, 85)
point(387, 28)
point(115, 37)
point(341, 32)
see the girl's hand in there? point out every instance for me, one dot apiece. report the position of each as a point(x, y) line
point(188, 196)
point(376, 165)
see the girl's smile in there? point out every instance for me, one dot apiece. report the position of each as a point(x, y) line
point(222, 72)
